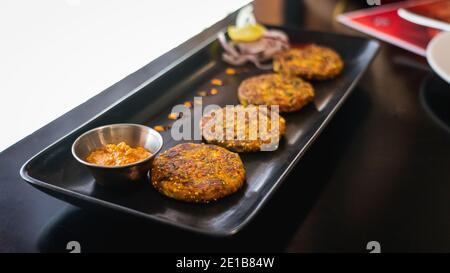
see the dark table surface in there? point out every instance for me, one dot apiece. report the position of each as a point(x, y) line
point(379, 171)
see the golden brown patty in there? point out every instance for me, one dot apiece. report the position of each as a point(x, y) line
point(197, 172)
point(309, 62)
point(290, 93)
point(251, 128)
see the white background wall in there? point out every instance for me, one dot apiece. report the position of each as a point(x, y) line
point(56, 54)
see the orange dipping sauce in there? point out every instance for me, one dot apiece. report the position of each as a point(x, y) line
point(117, 155)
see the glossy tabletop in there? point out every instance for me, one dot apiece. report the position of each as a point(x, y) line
point(379, 171)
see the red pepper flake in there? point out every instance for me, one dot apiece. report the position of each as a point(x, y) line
point(159, 128)
point(230, 71)
point(217, 82)
point(188, 104)
point(173, 116)
point(162, 128)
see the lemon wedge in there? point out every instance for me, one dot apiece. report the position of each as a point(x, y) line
point(248, 33)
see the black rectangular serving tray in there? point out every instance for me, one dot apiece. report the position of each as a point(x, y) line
point(57, 173)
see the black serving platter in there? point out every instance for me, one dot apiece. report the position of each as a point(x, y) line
point(57, 173)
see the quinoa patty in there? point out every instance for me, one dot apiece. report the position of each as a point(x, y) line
point(197, 172)
point(245, 121)
point(289, 93)
point(311, 62)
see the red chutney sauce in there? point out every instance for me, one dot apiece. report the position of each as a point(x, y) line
point(117, 155)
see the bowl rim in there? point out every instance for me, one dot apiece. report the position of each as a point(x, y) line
point(84, 162)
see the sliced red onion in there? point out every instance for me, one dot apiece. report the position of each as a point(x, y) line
point(240, 60)
point(253, 47)
point(277, 35)
point(227, 46)
point(272, 42)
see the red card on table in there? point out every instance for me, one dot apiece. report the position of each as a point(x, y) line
point(385, 24)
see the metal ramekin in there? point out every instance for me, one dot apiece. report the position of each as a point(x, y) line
point(132, 134)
